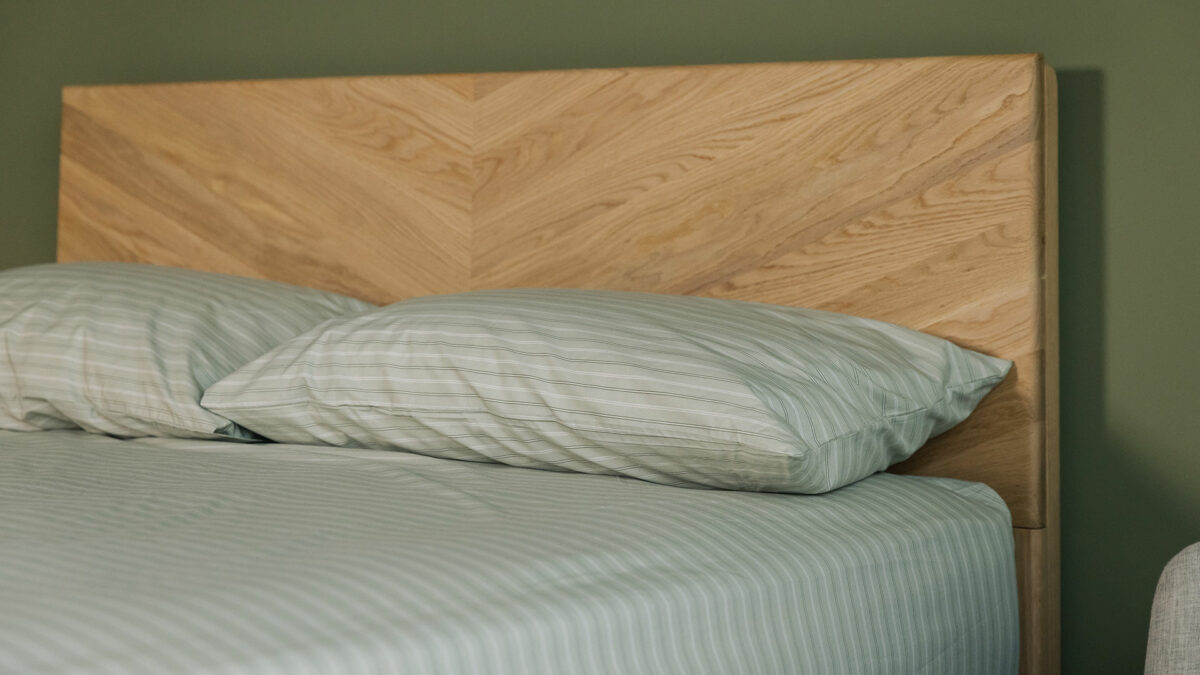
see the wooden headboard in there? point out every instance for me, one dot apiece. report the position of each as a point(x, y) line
point(917, 191)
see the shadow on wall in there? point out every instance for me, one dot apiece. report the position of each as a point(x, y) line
point(1119, 528)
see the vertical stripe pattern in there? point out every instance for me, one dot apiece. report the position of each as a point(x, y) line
point(670, 389)
point(128, 349)
point(183, 556)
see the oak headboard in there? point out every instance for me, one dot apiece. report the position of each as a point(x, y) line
point(917, 191)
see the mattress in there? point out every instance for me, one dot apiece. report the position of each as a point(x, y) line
point(162, 555)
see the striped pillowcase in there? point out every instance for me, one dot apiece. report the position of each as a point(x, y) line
point(677, 390)
point(128, 349)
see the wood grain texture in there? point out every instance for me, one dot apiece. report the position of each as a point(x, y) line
point(1037, 579)
point(362, 186)
point(916, 191)
point(1045, 649)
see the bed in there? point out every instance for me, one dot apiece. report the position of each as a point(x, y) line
point(914, 191)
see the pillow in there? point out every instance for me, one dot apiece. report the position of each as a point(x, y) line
point(678, 390)
point(128, 350)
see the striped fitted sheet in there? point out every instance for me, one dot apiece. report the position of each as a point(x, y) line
point(185, 556)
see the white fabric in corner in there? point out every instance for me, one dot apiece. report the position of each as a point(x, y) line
point(1174, 645)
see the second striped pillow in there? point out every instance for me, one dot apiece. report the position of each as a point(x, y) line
point(678, 390)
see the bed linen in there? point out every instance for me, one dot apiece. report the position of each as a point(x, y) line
point(128, 349)
point(673, 389)
point(184, 556)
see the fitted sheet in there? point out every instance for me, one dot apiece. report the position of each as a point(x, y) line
point(167, 555)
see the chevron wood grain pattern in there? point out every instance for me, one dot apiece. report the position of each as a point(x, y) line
point(360, 186)
point(916, 191)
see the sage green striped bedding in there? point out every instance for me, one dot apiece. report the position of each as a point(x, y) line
point(128, 349)
point(182, 556)
point(671, 389)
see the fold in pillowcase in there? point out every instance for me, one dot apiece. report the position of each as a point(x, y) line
point(677, 390)
point(127, 349)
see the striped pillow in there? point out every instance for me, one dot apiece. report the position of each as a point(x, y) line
point(128, 350)
point(677, 390)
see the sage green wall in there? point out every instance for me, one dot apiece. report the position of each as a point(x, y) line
point(1130, 149)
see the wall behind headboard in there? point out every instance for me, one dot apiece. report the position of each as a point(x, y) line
point(1130, 154)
